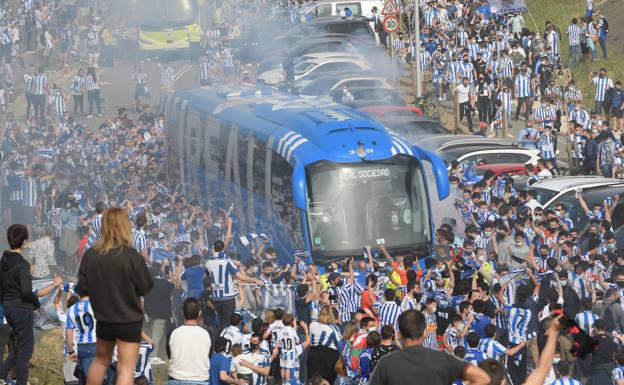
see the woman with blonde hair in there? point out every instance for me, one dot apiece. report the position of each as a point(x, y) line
point(325, 337)
point(115, 277)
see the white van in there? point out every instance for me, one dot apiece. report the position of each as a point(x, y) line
point(325, 8)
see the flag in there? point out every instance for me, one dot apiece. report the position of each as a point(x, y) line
point(162, 189)
point(277, 296)
point(46, 153)
point(180, 239)
point(470, 176)
point(248, 240)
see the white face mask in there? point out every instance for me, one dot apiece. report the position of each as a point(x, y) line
point(394, 219)
point(325, 219)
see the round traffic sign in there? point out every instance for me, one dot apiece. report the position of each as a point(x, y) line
point(391, 24)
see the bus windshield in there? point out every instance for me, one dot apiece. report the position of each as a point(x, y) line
point(352, 205)
point(167, 13)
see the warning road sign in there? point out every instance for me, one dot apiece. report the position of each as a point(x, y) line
point(391, 24)
point(390, 8)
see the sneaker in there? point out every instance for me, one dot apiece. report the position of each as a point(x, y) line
point(155, 361)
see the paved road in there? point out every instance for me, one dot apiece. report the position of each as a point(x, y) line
point(119, 88)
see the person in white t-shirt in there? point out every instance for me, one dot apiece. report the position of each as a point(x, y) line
point(188, 347)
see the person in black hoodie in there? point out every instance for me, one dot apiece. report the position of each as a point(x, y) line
point(19, 302)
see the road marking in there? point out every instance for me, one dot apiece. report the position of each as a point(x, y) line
point(181, 73)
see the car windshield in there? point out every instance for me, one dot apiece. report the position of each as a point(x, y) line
point(543, 195)
point(351, 205)
point(303, 67)
point(318, 86)
point(451, 154)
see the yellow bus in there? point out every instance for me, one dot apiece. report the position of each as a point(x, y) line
point(169, 25)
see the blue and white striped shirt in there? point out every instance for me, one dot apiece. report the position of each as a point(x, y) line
point(474, 356)
point(143, 367)
point(80, 317)
point(585, 320)
point(430, 332)
point(523, 85)
point(349, 298)
point(602, 85)
point(492, 348)
point(324, 335)
point(167, 76)
point(574, 35)
point(518, 324)
point(452, 337)
point(77, 85)
point(222, 273)
point(566, 381)
point(389, 313)
point(140, 242)
point(30, 191)
point(38, 84)
point(95, 231)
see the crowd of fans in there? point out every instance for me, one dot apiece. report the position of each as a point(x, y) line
point(159, 278)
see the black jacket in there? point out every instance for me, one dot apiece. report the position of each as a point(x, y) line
point(16, 283)
point(115, 283)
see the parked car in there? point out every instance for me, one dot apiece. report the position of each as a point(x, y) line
point(329, 83)
point(316, 67)
point(393, 111)
point(413, 126)
point(329, 42)
point(356, 27)
point(325, 8)
point(562, 190)
point(480, 150)
point(514, 170)
point(365, 96)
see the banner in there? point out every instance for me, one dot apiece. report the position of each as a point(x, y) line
point(503, 7)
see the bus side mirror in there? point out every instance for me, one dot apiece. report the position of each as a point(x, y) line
point(439, 171)
point(300, 192)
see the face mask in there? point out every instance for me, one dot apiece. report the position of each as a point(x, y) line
point(372, 329)
point(519, 243)
point(537, 217)
point(253, 346)
point(558, 213)
point(487, 234)
point(610, 246)
point(344, 91)
point(394, 219)
point(340, 283)
point(597, 212)
point(325, 219)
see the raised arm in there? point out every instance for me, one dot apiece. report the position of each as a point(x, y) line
point(582, 203)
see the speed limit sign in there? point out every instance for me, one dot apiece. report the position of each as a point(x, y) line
point(391, 24)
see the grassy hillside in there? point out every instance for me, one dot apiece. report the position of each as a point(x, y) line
point(561, 12)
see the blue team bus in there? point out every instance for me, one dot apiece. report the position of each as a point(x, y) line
point(313, 175)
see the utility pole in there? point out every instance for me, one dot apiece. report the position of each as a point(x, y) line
point(416, 57)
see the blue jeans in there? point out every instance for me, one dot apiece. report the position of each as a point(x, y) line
point(575, 55)
point(183, 382)
point(86, 355)
point(603, 46)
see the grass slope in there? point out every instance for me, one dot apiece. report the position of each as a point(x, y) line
point(561, 12)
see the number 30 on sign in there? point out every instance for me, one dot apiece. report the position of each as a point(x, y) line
point(391, 24)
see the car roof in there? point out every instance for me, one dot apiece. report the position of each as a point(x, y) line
point(323, 55)
point(358, 60)
point(336, 19)
point(385, 109)
point(441, 142)
point(565, 182)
